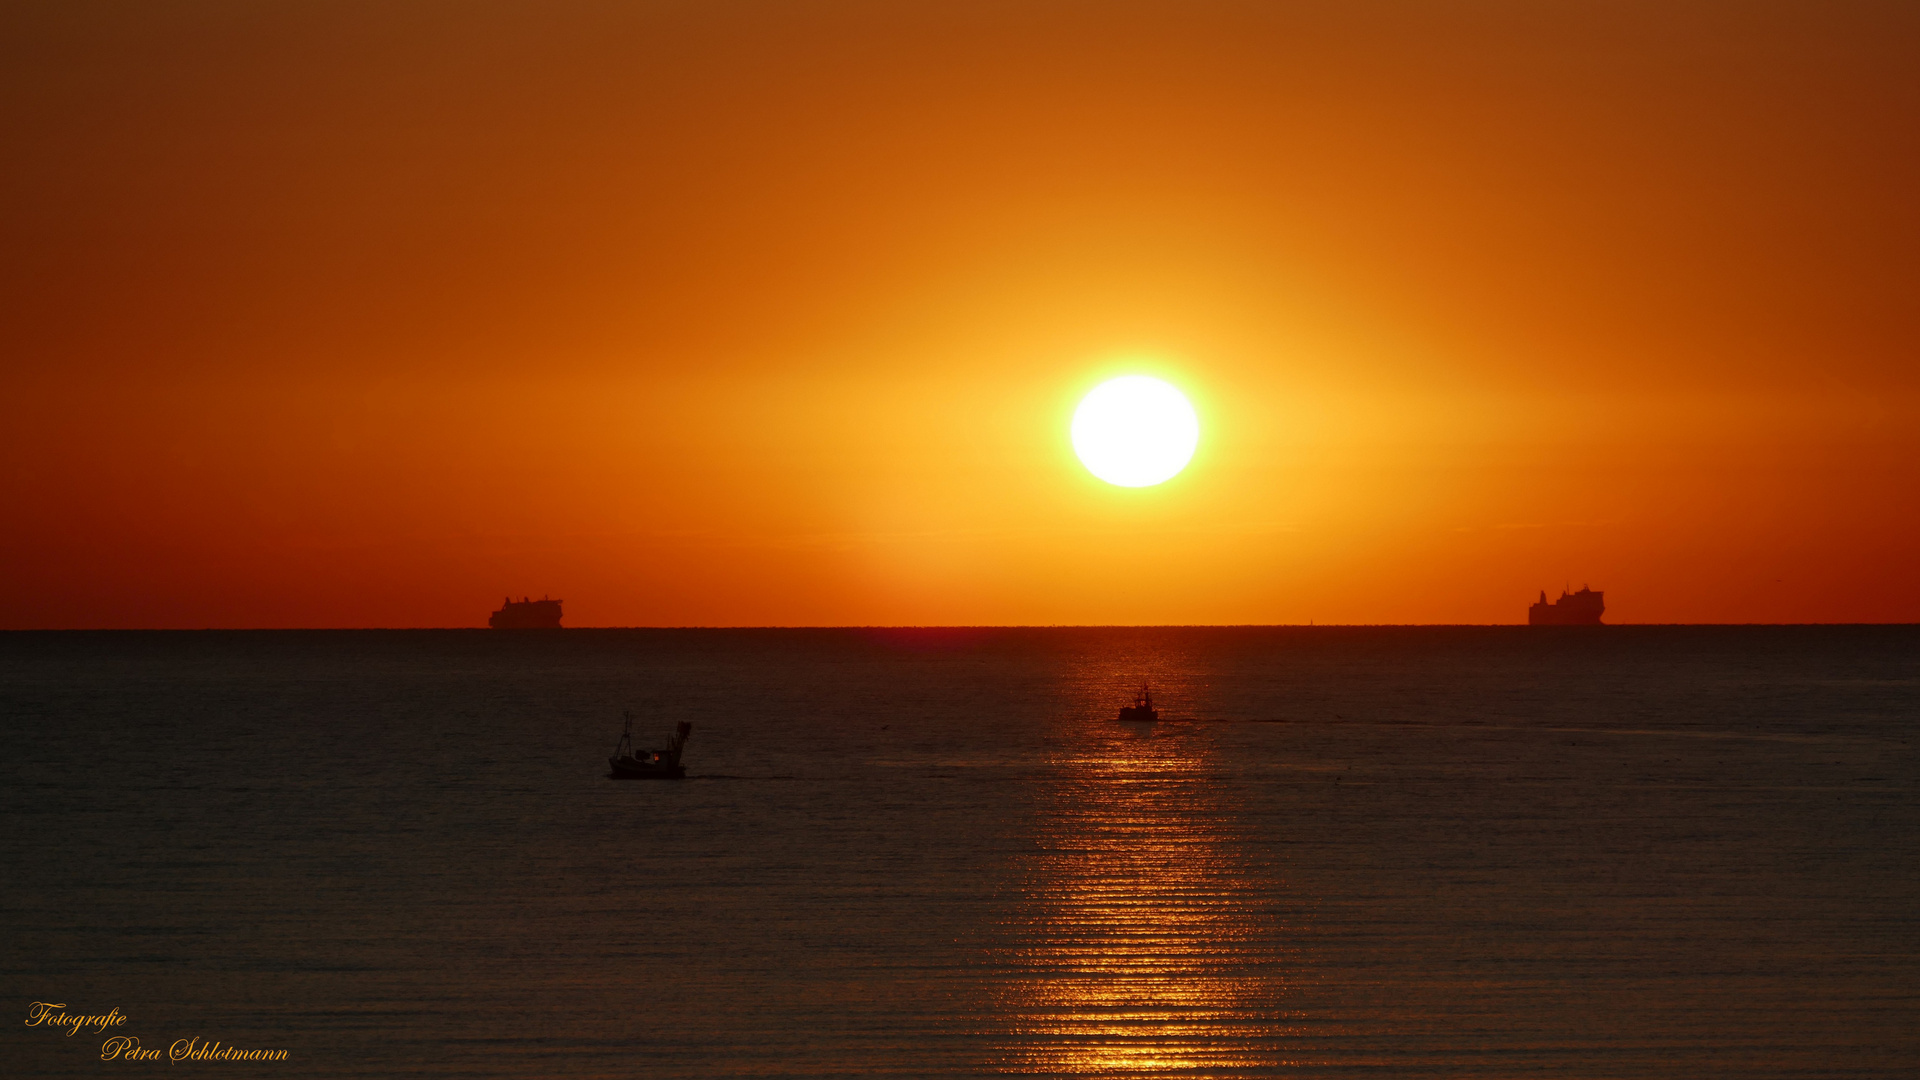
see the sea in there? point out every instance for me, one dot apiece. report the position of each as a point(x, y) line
point(1462, 852)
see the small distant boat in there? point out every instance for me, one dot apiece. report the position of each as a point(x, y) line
point(525, 614)
point(1582, 608)
point(1142, 710)
point(649, 764)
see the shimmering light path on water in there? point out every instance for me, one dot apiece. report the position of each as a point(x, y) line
point(1444, 852)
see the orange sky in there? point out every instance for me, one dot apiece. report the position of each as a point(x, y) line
point(367, 314)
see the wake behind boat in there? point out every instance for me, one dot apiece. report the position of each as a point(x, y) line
point(665, 764)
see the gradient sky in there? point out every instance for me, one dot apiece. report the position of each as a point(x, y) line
point(366, 314)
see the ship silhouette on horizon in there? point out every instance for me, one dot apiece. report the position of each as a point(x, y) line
point(1581, 608)
point(525, 614)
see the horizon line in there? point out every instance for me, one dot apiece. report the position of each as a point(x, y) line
point(916, 626)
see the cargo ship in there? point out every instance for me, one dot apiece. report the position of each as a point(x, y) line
point(1582, 608)
point(525, 614)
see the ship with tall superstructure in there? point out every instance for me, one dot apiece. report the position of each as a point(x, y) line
point(525, 614)
point(1581, 608)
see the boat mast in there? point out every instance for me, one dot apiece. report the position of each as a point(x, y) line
point(625, 749)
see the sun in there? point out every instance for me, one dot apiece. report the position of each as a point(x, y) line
point(1135, 431)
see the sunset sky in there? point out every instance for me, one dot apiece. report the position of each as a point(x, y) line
point(368, 314)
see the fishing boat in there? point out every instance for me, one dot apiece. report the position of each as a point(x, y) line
point(629, 764)
point(1142, 710)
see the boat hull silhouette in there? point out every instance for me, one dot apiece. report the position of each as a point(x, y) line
point(524, 614)
point(630, 764)
point(644, 769)
point(1582, 608)
point(1141, 711)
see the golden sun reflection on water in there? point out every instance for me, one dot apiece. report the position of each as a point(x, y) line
point(1149, 950)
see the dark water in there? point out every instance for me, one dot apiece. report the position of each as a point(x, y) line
point(1408, 852)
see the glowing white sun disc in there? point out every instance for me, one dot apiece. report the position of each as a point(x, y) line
point(1135, 431)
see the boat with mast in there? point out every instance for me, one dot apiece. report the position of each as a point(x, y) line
point(629, 764)
point(1142, 710)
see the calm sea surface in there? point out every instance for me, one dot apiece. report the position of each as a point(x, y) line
point(1482, 852)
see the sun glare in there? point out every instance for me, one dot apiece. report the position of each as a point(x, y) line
point(1135, 431)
